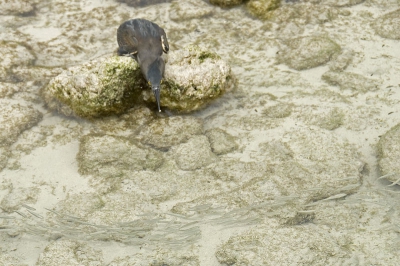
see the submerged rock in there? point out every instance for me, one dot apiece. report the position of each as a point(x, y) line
point(226, 3)
point(220, 141)
point(17, 7)
point(13, 55)
point(101, 87)
point(388, 26)
point(389, 154)
point(281, 246)
point(193, 154)
point(166, 132)
point(111, 85)
point(263, 8)
point(353, 81)
point(94, 155)
point(68, 252)
point(14, 119)
point(308, 52)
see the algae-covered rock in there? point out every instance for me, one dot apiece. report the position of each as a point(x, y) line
point(352, 81)
point(193, 77)
point(226, 3)
point(166, 132)
point(308, 52)
point(262, 8)
point(104, 153)
point(67, 252)
point(193, 154)
point(388, 26)
point(111, 85)
point(105, 86)
point(389, 154)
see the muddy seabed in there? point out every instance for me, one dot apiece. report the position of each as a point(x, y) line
point(297, 166)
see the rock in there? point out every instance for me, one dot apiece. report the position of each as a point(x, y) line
point(4, 155)
point(193, 77)
point(193, 154)
point(299, 13)
point(67, 252)
point(105, 86)
point(352, 81)
point(220, 141)
point(13, 55)
point(389, 154)
point(302, 245)
point(226, 3)
point(142, 3)
point(311, 165)
point(111, 85)
point(94, 155)
point(189, 9)
point(17, 7)
point(7, 89)
point(166, 132)
point(341, 3)
point(6, 259)
point(262, 8)
point(388, 26)
point(17, 196)
point(14, 119)
point(308, 52)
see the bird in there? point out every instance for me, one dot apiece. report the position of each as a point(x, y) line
point(145, 42)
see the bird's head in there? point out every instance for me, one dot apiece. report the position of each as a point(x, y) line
point(154, 77)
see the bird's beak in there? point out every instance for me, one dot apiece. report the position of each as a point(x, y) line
point(156, 91)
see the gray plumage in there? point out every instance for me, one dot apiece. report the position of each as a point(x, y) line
point(145, 42)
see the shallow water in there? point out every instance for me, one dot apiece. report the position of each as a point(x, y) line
point(303, 171)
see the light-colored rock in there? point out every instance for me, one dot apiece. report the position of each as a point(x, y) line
point(166, 132)
point(351, 81)
point(111, 154)
point(190, 9)
point(17, 7)
point(193, 154)
point(262, 8)
point(13, 55)
point(221, 142)
point(302, 245)
point(389, 154)
point(388, 26)
point(67, 252)
point(307, 52)
point(14, 119)
point(18, 196)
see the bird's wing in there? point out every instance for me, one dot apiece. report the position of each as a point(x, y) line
point(128, 44)
point(164, 41)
